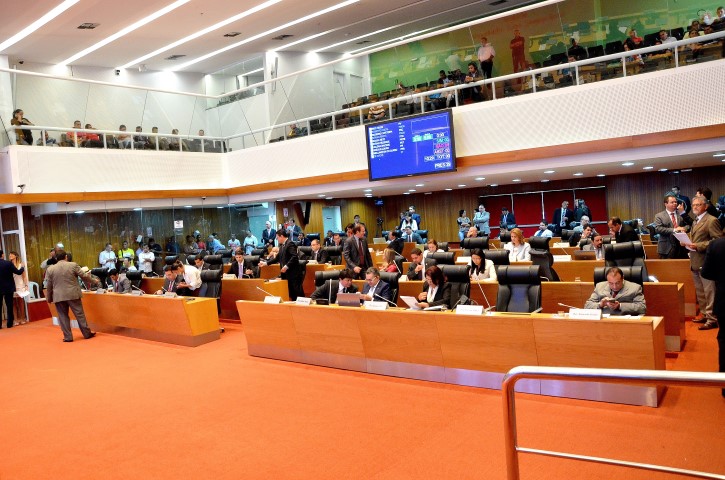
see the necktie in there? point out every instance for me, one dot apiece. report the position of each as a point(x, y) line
point(674, 221)
point(538, 234)
point(344, 290)
point(362, 254)
point(241, 270)
point(410, 238)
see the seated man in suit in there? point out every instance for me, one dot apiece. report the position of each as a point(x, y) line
point(436, 291)
point(239, 269)
point(416, 269)
point(200, 263)
point(119, 284)
point(330, 289)
point(171, 281)
point(621, 231)
point(302, 240)
point(617, 296)
point(585, 234)
point(596, 246)
point(395, 242)
point(317, 254)
point(375, 289)
point(411, 236)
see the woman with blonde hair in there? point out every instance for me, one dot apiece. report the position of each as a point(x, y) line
point(518, 249)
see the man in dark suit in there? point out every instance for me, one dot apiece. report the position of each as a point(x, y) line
point(118, 284)
point(7, 286)
point(418, 264)
point(268, 234)
point(317, 254)
point(290, 268)
point(507, 218)
point(621, 231)
point(171, 281)
point(712, 269)
point(302, 240)
point(64, 290)
point(200, 263)
point(562, 218)
point(410, 236)
point(683, 199)
point(705, 228)
point(666, 223)
point(355, 252)
point(330, 289)
point(240, 269)
point(375, 289)
point(396, 243)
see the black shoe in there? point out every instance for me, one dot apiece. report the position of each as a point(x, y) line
point(709, 325)
point(66, 340)
point(93, 334)
point(699, 320)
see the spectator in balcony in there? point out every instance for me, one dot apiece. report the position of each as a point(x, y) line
point(486, 53)
point(208, 145)
point(474, 93)
point(175, 141)
point(664, 38)
point(49, 141)
point(577, 51)
point(23, 136)
point(634, 41)
point(296, 131)
point(377, 112)
point(436, 100)
point(190, 247)
point(141, 141)
point(518, 52)
point(162, 143)
point(124, 140)
point(91, 140)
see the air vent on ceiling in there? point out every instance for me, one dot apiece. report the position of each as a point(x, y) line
point(282, 37)
point(87, 26)
point(498, 2)
point(174, 57)
point(363, 42)
point(232, 34)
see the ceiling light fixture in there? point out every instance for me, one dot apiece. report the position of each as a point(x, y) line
point(648, 167)
point(302, 40)
point(137, 209)
point(187, 206)
point(544, 180)
point(202, 32)
point(406, 193)
point(125, 31)
point(719, 155)
point(265, 34)
point(461, 186)
point(549, 171)
point(578, 174)
point(601, 175)
point(37, 24)
point(399, 39)
point(368, 190)
point(516, 180)
point(664, 169)
point(448, 189)
point(478, 179)
point(627, 164)
point(78, 212)
point(419, 184)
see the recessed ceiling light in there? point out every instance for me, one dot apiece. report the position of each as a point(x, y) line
point(368, 195)
point(545, 180)
point(478, 179)
point(601, 175)
point(627, 164)
point(412, 190)
point(686, 170)
point(78, 212)
point(137, 209)
point(37, 24)
point(419, 184)
point(322, 195)
point(461, 186)
point(187, 206)
point(516, 180)
point(549, 171)
point(664, 169)
point(494, 185)
point(431, 193)
point(448, 189)
point(329, 198)
point(406, 193)
point(723, 160)
point(280, 199)
point(368, 190)
point(578, 174)
point(648, 167)
point(719, 155)
point(220, 207)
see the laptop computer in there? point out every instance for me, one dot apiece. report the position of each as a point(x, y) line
point(348, 299)
point(584, 255)
point(379, 240)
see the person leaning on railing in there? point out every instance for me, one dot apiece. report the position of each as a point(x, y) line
point(23, 136)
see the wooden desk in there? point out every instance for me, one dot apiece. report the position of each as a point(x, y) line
point(584, 269)
point(187, 321)
point(246, 289)
point(677, 271)
point(152, 285)
point(473, 350)
point(490, 289)
point(269, 271)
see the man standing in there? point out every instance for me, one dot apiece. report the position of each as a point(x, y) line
point(7, 287)
point(64, 290)
point(705, 228)
point(562, 218)
point(250, 243)
point(293, 229)
point(622, 232)
point(146, 260)
point(507, 218)
point(581, 211)
point(617, 296)
point(481, 220)
point(107, 258)
point(126, 252)
point(683, 199)
point(518, 55)
point(118, 284)
point(712, 269)
point(485, 57)
point(668, 222)
point(268, 234)
point(355, 252)
point(290, 268)
point(415, 216)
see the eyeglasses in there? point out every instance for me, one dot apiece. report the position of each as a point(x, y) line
point(698, 204)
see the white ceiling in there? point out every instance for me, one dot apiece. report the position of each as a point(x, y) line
point(60, 38)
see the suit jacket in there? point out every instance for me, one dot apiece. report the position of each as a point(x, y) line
point(626, 234)
point(665, 229)
point(630, 298)
point(415, 238)
point(171, 285)
point(234, 269)
point(397, 245)
point(712, 269)
point(62, 282)
point(269, 237)
point(7, 281)
point(600, 252)
point(442, 296)
point(321, 257)
point(701, 234)
point(556, 220)
point(508, 219)
point(382, 289)
point(351, 254)
point(323, 291)
point(122, 286)
point(412, 275)
point(288, 257)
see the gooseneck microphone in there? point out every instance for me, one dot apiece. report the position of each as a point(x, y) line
point(488, 305)
point(565, 305)
point(265, 292)
point(136, 288)
point(384, 299)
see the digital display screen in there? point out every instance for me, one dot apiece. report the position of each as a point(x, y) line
point(417, 145)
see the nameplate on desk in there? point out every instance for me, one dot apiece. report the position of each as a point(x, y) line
point(303, 300)
point(585, 314)
point(372, 305)
point(170, 294)
point(229, 276)
point(469, 310)
point(138, 293)
point(272, 299)
point(272, 280)
point(463, 260)
point(562, 258)
point(100, 290)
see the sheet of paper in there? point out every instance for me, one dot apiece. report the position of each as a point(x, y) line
point(682, 237)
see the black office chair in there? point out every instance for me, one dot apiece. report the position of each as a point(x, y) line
point(253, 262)
point(626, 254)
point(443, 258)
point(335, 254)
point(102, 274)
point(614, 47)
point(498, 257)
point(583, 242)
point(135, 278)
point(541, 256)
point(306, 251)
point(259, 251)
point(539, 243)
point(226, 255)
point(566, 234)
point(443, 246)
point(631, 274)
point(214, 261)
point(458, 276)
point(478, 242)
point(321, 276)
point(170, 259)
point(606, 239)
point(392, 280)
point(595, 51)
point(303, 265)
point(211, 286)
point(653, 235)
point(505, 238)
point(423, 234)
point(519, 289)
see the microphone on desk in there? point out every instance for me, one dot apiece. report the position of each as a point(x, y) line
point(544, 278)
point(265, 292)
point(136, 288)
point(488, 307)
point(462, 300)
point(384, 299)
point(565, 305)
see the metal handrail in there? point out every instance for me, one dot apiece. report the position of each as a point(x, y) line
point(637, 377)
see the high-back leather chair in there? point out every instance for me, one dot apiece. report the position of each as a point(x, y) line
point(519, 288)
point(171, 259)
point(259, 251)
point(584, 241)
point(653, 235)
point(335, 254)
point(498, 257)
point(505, 238)
point(391, 278)
point(423, 234)
point(541, 255)
point(321, 276)
point(443, 246)
point(626, 254)
point(606, 239)
point(226, 255)
point(135, 278)
point(566, 234)
point(102, 274)
point(539, 243)
point(458, 276)
point(306, 251)
point(211, 285)
point(443, 258)
point(477, 242)
point(214, 261)
point(631, 274)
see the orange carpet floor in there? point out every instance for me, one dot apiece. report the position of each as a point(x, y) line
point(120, 408)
